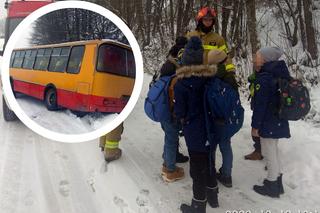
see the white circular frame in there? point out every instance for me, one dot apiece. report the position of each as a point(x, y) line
point(71, 138)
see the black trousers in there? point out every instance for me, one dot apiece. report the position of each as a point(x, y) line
point(202, 172)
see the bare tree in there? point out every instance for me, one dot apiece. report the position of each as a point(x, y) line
point(301, 24)
point(73, 25)
point(225, 18)
point(310, 32)
point(252, 27)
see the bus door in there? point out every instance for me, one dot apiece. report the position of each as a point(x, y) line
point(82, 57)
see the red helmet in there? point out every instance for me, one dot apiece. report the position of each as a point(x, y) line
point(206, 11)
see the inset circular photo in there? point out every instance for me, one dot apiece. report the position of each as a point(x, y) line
point(70, 73)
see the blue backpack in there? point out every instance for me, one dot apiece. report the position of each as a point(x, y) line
point(156, 104)
point(224, 113)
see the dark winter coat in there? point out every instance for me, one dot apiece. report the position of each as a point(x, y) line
point(266, 100)
point(188, 105)
point(169, 67)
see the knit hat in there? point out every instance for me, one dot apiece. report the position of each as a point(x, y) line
point(270, 53)
point(216, 56)
point(193, 52)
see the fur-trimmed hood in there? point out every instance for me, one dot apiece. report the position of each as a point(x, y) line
point(196, 71)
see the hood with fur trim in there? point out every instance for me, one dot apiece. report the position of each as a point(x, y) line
point(196, 71)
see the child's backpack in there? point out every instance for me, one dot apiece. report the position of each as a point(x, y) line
point(223, 108)
point(156, 105)
point(294, 99)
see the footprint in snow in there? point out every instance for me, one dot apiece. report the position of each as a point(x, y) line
point(292, 185)
point(29, 199)
point(246, 196)
point(142, 201)
point(120, 203)
point(61, 155)
point(64, 188)
point(187, 187)
point(91, 179)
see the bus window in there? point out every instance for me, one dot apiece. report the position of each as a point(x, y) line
point(112, 59)
point(18, 59)
point(75, 59)
point(59, 59)
point(12, 57)
point(29, 59)
point(131, 66)
point(42, 59)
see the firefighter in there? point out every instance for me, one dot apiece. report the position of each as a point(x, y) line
point(206, 19)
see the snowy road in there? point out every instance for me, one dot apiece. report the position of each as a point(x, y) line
point(40, 176)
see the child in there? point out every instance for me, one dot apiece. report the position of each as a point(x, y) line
point(266, 124)
point(256, 154)
point(219, 57)
point(171, 155)
point(189, 109)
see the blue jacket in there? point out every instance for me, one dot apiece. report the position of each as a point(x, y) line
point(188, 104)
point(266, 100)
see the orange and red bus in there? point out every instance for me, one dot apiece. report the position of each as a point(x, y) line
point(83, 76)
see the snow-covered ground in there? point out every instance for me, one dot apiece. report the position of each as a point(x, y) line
point(62, 121)
point(38, 175)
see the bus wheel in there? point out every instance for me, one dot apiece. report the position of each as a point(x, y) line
point(8, 114)
point(50, 99)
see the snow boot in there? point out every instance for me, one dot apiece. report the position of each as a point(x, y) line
point(102, 142)
point(180, 158)
point(212, 196)
point(255, 155)
point(279, 180)
point(171, 176)
point(112, 154)
point(197, 206)
point(281, 190)
point(269, 188)
point(224, 179)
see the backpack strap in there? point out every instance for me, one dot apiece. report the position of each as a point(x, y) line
point(155, 77)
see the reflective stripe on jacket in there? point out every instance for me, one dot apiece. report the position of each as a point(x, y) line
point(212, 41)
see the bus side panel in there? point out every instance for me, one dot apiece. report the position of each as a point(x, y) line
point(72, 89)
point(73, 103)
point(30, 89)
